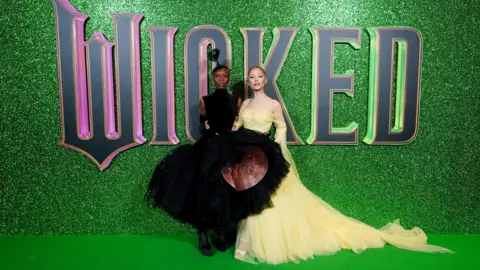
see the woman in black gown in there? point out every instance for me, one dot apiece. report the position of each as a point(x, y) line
point(222, 178)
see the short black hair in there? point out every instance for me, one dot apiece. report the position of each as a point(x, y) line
point(218, 67)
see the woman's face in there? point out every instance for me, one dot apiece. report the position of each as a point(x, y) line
point(221, 78)
point(257, 79)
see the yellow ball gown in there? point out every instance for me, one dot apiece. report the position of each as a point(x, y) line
point(301, 225)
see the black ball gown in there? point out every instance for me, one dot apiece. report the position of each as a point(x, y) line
point(222, 178)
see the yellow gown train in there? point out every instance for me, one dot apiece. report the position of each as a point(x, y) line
point(301, 225)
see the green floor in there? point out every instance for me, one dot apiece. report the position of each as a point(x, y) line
point(165, 253)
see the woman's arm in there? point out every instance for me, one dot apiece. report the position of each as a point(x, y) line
point(279, 122)
point(239, 121)
point(203, 110)
point(203, 114)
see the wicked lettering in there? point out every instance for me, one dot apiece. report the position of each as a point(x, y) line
point(88, 93)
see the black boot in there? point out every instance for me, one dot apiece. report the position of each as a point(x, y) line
point(231, 236)
point(219, 241)
point(203, 243)
point(225, 237)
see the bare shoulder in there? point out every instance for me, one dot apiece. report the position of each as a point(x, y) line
point(275, 104)
point(247, 101)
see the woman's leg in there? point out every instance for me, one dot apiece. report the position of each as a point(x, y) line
point(203, 243)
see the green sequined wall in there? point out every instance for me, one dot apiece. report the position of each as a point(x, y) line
point(432, 182)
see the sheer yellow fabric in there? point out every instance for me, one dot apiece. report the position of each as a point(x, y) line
point(301, 225)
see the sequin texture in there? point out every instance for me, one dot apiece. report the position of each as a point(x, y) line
point(432, 182)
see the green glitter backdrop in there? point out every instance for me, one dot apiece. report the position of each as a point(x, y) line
point(432, 182)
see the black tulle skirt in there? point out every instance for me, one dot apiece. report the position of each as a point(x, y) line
point(190, 182)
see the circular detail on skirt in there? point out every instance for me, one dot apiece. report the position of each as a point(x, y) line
point(249, 171)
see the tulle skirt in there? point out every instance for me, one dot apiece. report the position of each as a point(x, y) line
point(204, 184)
point(301, 225)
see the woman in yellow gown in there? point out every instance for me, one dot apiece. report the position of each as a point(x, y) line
point(300, 225)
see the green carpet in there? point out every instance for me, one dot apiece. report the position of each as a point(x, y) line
point(180, 252)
